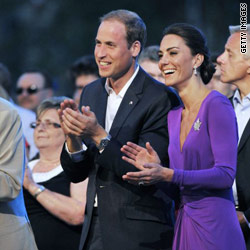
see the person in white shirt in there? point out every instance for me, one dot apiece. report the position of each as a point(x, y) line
point(32, 87)
point(126, 104)
point(27, 116)
point(235, 69)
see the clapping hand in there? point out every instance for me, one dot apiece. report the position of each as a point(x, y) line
point(138, 156)
point(146, 160)
point(76, 123)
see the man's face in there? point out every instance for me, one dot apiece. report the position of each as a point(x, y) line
point(30, 90)
point(234, 67)
point(112, 54)
point(152, 68)
point(81, 82)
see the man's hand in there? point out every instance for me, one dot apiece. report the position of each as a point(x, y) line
point(67, 105)
point(76, 124)
point(241, 218)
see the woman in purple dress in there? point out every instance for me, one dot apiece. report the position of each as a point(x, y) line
point(202, 147)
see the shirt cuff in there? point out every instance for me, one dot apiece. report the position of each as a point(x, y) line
point(248, 224)
point(76, 156)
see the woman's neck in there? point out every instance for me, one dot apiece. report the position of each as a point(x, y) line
point(193, 94)
point(49, 157)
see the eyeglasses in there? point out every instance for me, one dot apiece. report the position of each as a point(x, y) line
point(46, 124)
point(33, 89)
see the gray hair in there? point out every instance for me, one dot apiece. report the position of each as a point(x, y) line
point(135, 27)
point(236, 29)
point(150, 53)
point(50, 103)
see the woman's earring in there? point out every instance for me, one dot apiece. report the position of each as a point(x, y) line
point(195, 71)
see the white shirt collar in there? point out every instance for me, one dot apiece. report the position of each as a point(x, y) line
point(125, 87)
point(237, 97)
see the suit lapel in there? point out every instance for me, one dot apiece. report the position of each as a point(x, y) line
point(128, 103)
point(245, 136)
point(100, 111)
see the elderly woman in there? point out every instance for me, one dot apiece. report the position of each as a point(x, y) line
point(55, 206)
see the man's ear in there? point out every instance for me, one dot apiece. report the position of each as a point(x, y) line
point(248, 65)
point(135, 48)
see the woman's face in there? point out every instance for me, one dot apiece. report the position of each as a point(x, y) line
point(176, 61)
point(48, 132)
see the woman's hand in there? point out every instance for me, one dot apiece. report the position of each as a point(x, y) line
point(138, 156)
point(28, 179)
point(146, 160)
point(152, 173)
point(28, 182)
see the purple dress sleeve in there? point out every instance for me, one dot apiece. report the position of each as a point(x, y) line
point(221, 133)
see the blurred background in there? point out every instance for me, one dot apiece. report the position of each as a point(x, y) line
point(52, 34)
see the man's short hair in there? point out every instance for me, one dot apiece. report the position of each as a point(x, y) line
point(135, 27)
point(150, 53)
point(85, 65)
point(237, 28)
point(48, 83)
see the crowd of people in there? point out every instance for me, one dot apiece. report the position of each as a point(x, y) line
point(150, 152)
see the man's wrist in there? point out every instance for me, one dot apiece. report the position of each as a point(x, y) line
point(74, 144)
point(99, 135)
point(104, 143)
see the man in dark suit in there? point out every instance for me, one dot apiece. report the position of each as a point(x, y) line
point(235, 69)
point(126, 104)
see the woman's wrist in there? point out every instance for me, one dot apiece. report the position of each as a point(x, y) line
point(168, 174)
point(35, 189)
point(38, 191)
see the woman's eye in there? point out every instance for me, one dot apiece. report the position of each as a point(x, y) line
point(173, 53)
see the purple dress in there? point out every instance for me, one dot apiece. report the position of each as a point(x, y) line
point(205, 169)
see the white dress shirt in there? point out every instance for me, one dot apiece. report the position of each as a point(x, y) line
point(114, 100)
point(113, 103)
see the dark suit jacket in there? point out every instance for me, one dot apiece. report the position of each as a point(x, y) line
point(131, 217)
point(243, 178)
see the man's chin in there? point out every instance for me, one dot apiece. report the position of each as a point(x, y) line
point(104, 74)
point(26, 105)
point(224, 80)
